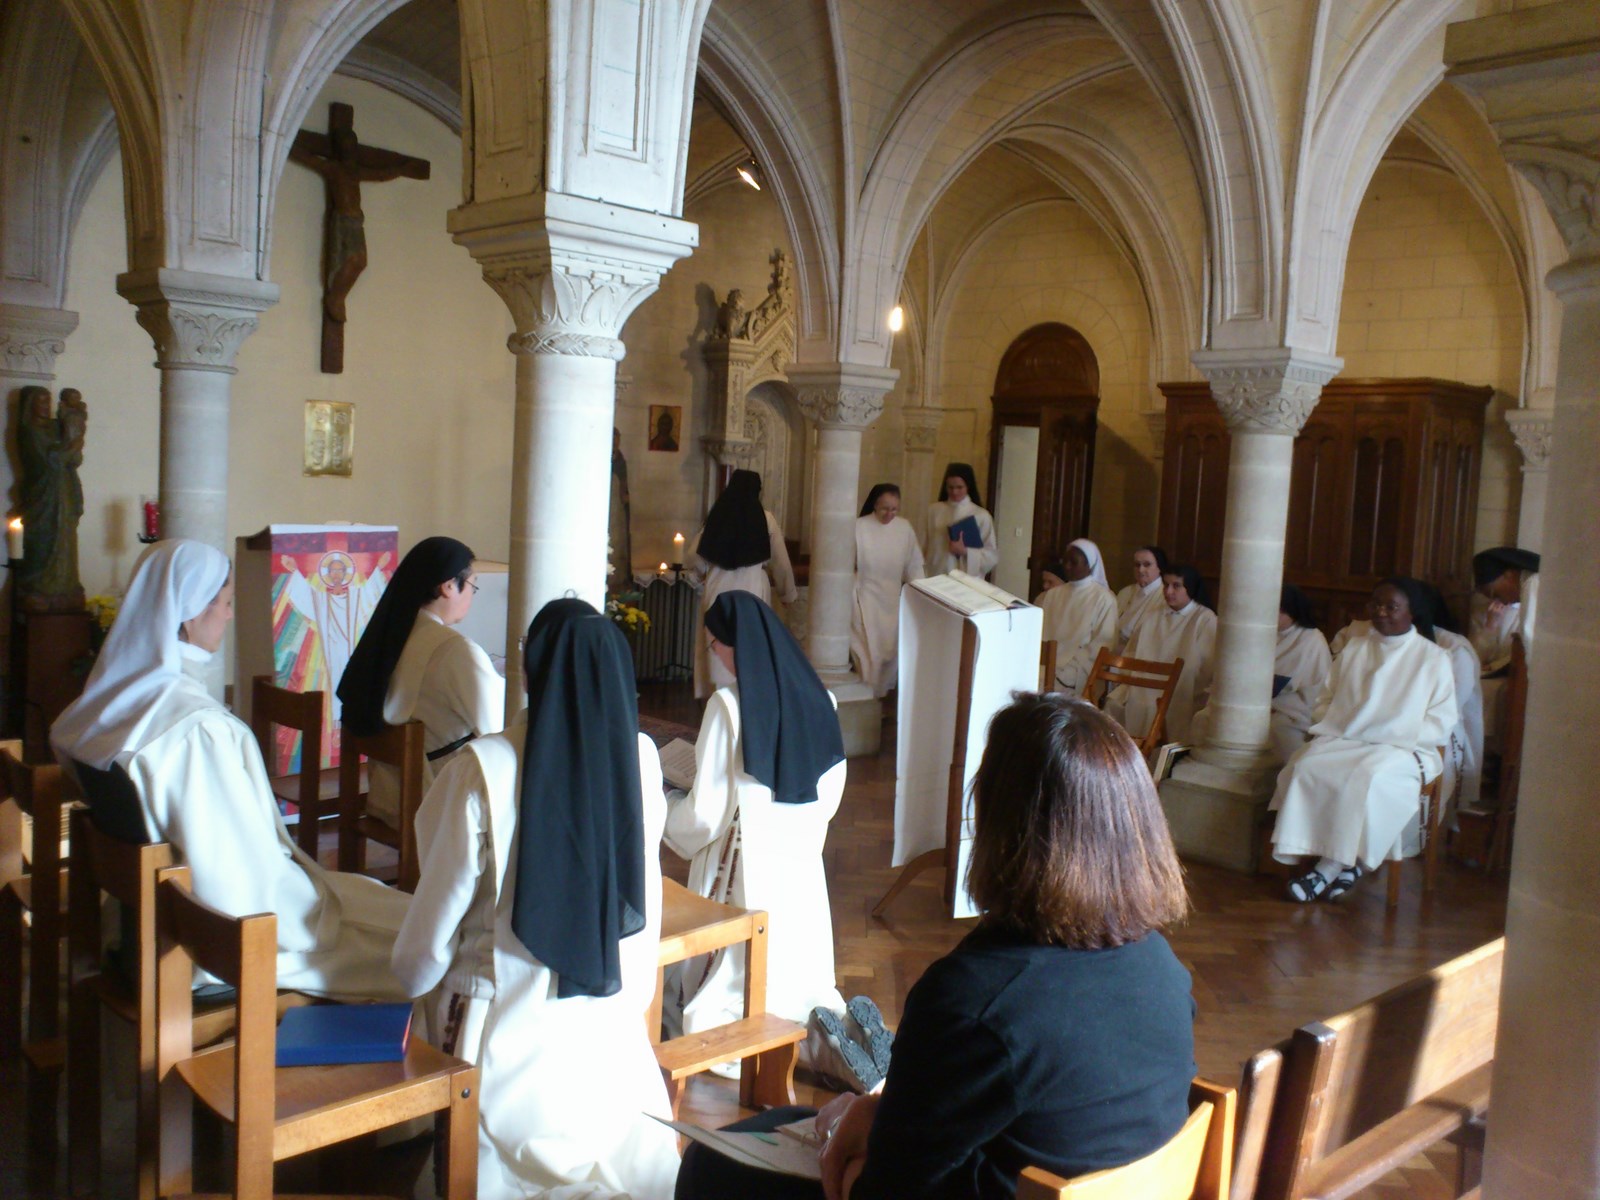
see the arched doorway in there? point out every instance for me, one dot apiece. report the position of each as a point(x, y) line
point(1041, 449)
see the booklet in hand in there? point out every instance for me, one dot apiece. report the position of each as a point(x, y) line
point(966, 532)
point(319, 1035)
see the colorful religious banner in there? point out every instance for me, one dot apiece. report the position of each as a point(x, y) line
point(304, 595)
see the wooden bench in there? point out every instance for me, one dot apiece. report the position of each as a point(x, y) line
point(1345, 1101)
point(768, 1046)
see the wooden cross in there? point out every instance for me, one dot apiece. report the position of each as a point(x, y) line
point(345, 164)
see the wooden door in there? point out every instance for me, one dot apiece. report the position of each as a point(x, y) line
point(1061, 490)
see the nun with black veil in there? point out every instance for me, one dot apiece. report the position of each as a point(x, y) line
point(769, 774)
point(412, 664)
point(533, 934)
point(958, 501)
point(735, 550)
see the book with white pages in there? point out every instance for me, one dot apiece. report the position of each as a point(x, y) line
point(789, 1155)
point(968, 594)
point(678, 763)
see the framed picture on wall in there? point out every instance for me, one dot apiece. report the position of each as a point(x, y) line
point(666, 426)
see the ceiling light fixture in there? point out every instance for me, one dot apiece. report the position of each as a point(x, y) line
point(750, 173)
point(897, 319)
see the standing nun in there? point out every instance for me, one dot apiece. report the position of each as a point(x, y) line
point(769, 774)
point(958, 500)
point(145, 715)
point(533, 936)
point(1080, 617)
point(412, 665)
point(736, 547)
point(887, 558)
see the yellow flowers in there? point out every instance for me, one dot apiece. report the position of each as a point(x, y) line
point(103, 609)
point(632, 619)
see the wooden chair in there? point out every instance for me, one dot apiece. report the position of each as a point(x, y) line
point(1047, 665)
point(32, 908)
point(1194, 1165)
point(1363, 1092)
point(1110, 670)
point(1429, 817)
point(400, 746)
point(313, 787)
point(1516, 706)
point(768, 1046)
point(278, 1114)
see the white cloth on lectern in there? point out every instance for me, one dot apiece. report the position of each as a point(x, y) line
point(567, 1083)
point(887, 558)
point(1166, 636)
point(708, 672)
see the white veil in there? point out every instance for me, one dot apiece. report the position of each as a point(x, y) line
point(1096, 559)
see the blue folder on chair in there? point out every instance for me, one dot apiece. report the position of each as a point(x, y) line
point(326, 1034)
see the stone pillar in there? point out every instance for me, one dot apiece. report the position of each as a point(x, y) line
point(571, 270)
point(198, 322)
point(843, 400)
point(919, 487)
point(1531, 428)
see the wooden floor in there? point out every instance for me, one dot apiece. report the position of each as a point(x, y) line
point(1261, 965)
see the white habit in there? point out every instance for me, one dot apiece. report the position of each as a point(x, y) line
point(445, 680)
point(1133, 604)
point(202, 787)
point(887, 558)
point(1303, 659)
point(1492, 639)
point(1080, 617)
point(748, 850)
point(566, 1083)
point(708, 673)
point(980, 560)
point(1166, 636)
point(1352, 793)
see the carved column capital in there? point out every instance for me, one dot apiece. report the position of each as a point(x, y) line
point(197, 321)
point(737, 453)
point(1531, 427)
point(841, 396)
point(31, 338)
point(570, 269)
point(1266, 391)
point(922, 428)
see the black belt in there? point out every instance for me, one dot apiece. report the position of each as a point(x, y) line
point(436, 755)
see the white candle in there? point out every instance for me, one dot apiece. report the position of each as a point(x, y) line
point(662, 570)
point(14, 539)
point(677, 547)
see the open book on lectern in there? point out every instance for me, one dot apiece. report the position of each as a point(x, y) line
point(968, 594)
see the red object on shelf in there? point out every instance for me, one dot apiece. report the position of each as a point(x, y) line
point(152, 519)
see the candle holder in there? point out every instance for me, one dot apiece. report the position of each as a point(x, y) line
point(150, 519)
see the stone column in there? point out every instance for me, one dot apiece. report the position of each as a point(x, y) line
point(919, 486)
point(843, 400)
point(198, 322)
point(571, 270)
point(1531, 428)
point(1265, 398)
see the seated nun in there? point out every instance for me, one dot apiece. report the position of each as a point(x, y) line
point(1350, 795)
point(1508, 581)
point(769, 774)
point(1300, 669)
point(887, 558)
point(1080, 616)
point(1186, 628)
point(1143, 595)
point(533, 936)
point(145, 716)
point(411, 664)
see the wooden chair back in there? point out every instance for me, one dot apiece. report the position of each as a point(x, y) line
point(1047, 665)
point(1111, 670)
point(1258, 1092)
point(1195, 1165)
point(272, 706)
point(41, 792)
point(1364, 1091)
point(399, 746)
point(1516, 710)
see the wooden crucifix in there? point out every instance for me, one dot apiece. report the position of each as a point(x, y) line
point(345, 164)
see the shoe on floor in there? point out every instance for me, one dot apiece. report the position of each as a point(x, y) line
point(838, 1056)
point(1344, 881)
point(870, 1031)
point(1303, 889)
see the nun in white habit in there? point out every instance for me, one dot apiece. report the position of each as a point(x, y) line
point(1351, 795)
point(1185, 628)
point(770, 772)
point(887, 558)
point(1080, 616)
point(733, 552)
point(533, 937)
point(201, 784)
point(1143, 595)
point(958, 500)
point(412, 664)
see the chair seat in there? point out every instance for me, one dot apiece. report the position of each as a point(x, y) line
point(696, 1052)
point(22, 889)
point(366, 1096)
point(287, 787)
point(691, 924)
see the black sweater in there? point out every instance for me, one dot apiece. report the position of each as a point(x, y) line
point(1012, 1054)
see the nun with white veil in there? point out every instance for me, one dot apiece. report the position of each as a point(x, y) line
point(146, 719)
point(1080, 616)
point(533, 938)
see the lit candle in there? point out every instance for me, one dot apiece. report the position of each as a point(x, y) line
point(677, 547)
point(152, 517)
point(662, 569)
point(14, 539)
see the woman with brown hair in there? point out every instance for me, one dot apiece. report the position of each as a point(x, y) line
point(1060, 1032)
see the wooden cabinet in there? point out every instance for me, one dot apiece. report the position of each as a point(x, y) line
point(1385, 482)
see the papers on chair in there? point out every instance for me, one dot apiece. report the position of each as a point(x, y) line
point(968, 594)
point(677, 763)
point(788, 1155)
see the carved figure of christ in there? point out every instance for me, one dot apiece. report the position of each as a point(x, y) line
point(345, 164)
